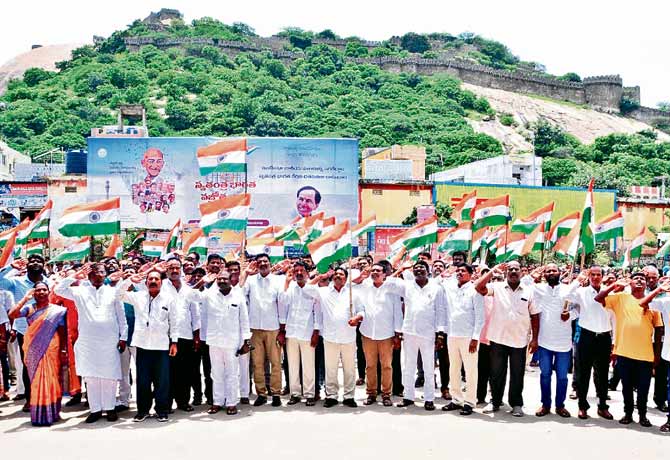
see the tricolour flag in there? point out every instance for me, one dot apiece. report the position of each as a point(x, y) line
point(228, 213)
point(22, 231)
point(196, 241)
point(634, 250)
point(664, 250)
point(226, 156)
point(455, 239)
point(492, 239)
point(420, 235)
point(91, 219)
point(34, 247)
point(479, 239)
point(5, 236)
point(534, 241)
point(611, 227)
point(290, 232)
point(7, 256)
point(269, 246)
point(463, 210)
point(271, 230)
point(563, 227)
point(77, 251)
point(492, 212)
point(529, 223)
point(567, 245)
point(115, 248)
point(367, 225)
point(510, 246)
point(39, 228)
point(153, 248)
point(331, 247)
point(174, 237)
point(586, 236)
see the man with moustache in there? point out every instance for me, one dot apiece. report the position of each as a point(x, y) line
point(234, 268)
point(661, 371)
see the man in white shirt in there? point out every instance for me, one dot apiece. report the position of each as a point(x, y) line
point(262, 289)
point(228, 336)
point(380, 315)
point(154, 339)
point(555, 340)
point(338, 328)
point(234, 268)
point(102, 337)
point(183, 371)
point(513, 314)
point(422, 330)
point(302, 325)
point(465, 319)
point(595, 344)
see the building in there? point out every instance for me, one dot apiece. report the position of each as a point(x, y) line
point(502, 170)
point(648, 212)
point(9, 158)
point(398, 162)
point(392, 201)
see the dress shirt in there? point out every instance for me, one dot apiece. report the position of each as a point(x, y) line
point(555, 334)
point(301, 312)
point(186, 308)
point(155, 318)
point(592, 315)
point(425, 307)
point(465, 311)
point(6, 304)
point(227, 317)
point(662, 305)
point(380, 307)
point(19, 285)
point(263, 299)
point(510, 314)
point(335, 313)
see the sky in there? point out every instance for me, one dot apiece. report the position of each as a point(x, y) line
point(590, 37)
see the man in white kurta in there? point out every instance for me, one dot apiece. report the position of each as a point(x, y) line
point(102, 337)
point(228, 335)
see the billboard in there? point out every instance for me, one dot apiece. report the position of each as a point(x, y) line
point(31, 195)
point(158, 179)
point(525, 199)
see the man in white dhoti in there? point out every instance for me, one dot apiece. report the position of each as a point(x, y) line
point(102, 337)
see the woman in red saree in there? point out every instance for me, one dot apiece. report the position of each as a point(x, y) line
point(45, 347)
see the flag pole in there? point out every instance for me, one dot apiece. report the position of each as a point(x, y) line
point(351, 297)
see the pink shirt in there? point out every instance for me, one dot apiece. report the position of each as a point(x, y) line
point(510, 314)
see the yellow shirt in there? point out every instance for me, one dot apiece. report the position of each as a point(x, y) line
point(634, 327)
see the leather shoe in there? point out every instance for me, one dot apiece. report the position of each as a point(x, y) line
point(405, 403)
point(583, 415)
point(662, 408)
point(626, 420)
point(19, 397)
point(467, 410)
point(563, 412)
point(665, 428)
point(349, 402)
point(26, 407)
point(451, 406)
point(121, 408)
point(429, 405)
point(112, 416)
point(74, 400)
point(93, 417)
point(276, 401)
point(542, 411)
point(260, 401)
point(604, 413)
point(242, 401)
point(370, 400)
point(330, 402)
point(644, 421)
point(293, 400)
point(310, 402)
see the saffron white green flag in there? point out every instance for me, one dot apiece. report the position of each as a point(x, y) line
point(77, 251)
point(91, 219)
point(226, 156)
point(528, 224)
point(34, 247)
point(420, 235)
point(196, 242)
point(39, 228)
point(269, 246)
point(331, 247)
point(153, 248)
point(463, 210)
point(455, 239)
point(563, 227)
point(228, 213)
point(611, 227)
point(492, 212)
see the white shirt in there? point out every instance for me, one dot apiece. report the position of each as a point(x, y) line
point(155, 318)
point(465, 311)
point(380, 307)
point(592, 315)
point(262, 295)
point(662, 304)
point(301, 312)
point(6, 304)
point(511, 310)
point(555, 334)
point(101, 324)
point(186, 309)
point(227, 317)
point(425, 308)
point(335, 313)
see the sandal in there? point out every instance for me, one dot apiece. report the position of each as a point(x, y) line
point(213, 410)
point(232, 410)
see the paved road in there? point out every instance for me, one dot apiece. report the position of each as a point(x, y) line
point(337, 433)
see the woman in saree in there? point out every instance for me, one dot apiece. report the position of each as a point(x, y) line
point(45, 348)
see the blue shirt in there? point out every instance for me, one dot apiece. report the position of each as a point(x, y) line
point(19, 286)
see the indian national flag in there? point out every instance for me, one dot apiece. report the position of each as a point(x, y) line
point(77, 251)
point(664, 250)
point(22, 231)
point(269, 246)
point(528, 224)
point(634, 250)
point(420, 235)
point(196, 241)
point(228, 213)
point(289, 232)
point(562, 227)
point(35, 247)
point(510, 246)
point(479, 239)
point(491, 212)
point(567, 245)
point(174, 238)
point(367, 225)
point(153, 248)
point(611, 227)
point(7, 256)
point(312, 227)
point(226, 156)
point(493, 237)
point(39, 228)
point(535, 241)
point(396, 256)
point(97, 218)
point(331, 247)
point(586, 237)
point(115, 248)
point(455, 239)
point(5, 236)
point(271, 230)
point(463, 210)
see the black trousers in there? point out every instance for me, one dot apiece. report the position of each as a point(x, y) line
point(443, 363)
point(319, 367)
point(661, 382)
point(153, 370)
point(360, 355)
point(202, 356)
point(483, 371)
point(500, 356)
point(183, 372)
point(398, 387)
point(635, 374)
point(593, 352)
point(25, 377)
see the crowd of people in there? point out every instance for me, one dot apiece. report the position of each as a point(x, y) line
point(202, 331)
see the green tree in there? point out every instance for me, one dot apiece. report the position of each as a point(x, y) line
point(414, 43)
